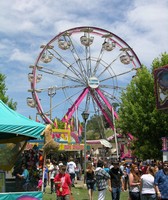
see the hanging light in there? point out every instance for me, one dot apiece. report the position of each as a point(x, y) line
point(85, 115)
point(86, 41)
point(31, 102)
point(64, 45)
point(51, 91)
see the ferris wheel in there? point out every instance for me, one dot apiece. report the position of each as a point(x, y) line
point(81, 69)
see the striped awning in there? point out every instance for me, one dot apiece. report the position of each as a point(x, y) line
point(106, 143)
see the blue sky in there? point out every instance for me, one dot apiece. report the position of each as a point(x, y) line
point(26, 24)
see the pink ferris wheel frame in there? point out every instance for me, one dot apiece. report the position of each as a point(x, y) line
point(97, 95)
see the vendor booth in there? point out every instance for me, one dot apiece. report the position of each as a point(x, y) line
point(15, 131)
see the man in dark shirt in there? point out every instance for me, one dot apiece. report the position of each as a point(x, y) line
point(161, 182)
point(116, 181)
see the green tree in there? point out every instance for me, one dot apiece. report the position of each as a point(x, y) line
point(138, 114)
point(98, 128)
point(3, 95)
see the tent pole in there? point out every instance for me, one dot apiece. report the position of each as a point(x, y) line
point(44, 164)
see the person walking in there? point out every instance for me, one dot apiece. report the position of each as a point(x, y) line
point(49, 165)
point(24, 177)
point(102, 180)
point(53, 171)
point(161, 182)
point(116, 181)
point(78, 170)
point(90, 180)
point(63, 184)
point(71, 166)
point(125, 180)
point(106, 168)
point(40, 183)
point(147, 187)
point(45, 171)
point(134, 183)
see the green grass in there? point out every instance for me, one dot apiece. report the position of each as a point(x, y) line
point(80, 193)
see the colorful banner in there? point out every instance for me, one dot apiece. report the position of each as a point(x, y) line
point(161, 87)
point(21, 196)
point(71, 147)
point(62, 135)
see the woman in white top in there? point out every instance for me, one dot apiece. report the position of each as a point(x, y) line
point(134, 183)
point(147, 185)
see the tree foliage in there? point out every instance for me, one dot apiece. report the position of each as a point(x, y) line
point(98, 128)
point(138, 114)
point(3, 95)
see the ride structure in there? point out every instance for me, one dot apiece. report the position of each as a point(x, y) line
point(87, 68)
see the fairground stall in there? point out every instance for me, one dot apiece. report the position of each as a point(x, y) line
point(15, 131)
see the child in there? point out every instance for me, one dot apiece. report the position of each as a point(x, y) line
point(125, 179)
point(40, 182)
point(63, 184)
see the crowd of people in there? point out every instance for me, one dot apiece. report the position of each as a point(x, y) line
point(143, 180)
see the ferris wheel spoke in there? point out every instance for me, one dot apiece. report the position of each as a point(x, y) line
point(108, 66)
point(112, 87)
point(98, 61)
point(98, 113)
point(99, 58)
point(103, 108)
point(95, 106)
point(110, 96)
point(88, 58)
point(78, 60)
point(63, 101)
point(66, 63)
point(87, 103)
point(126, 72)
point(87, 41)
point(57, 88)
point(61, 75)
point(88, 61)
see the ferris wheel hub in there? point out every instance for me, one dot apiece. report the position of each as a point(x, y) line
point(93, 82)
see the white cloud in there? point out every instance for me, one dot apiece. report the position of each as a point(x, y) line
point(27, 24)
point(17, 55)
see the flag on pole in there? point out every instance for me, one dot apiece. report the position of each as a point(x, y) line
point(55, 123)
point(66, 123)
point(72, 124)
point(80, 129)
